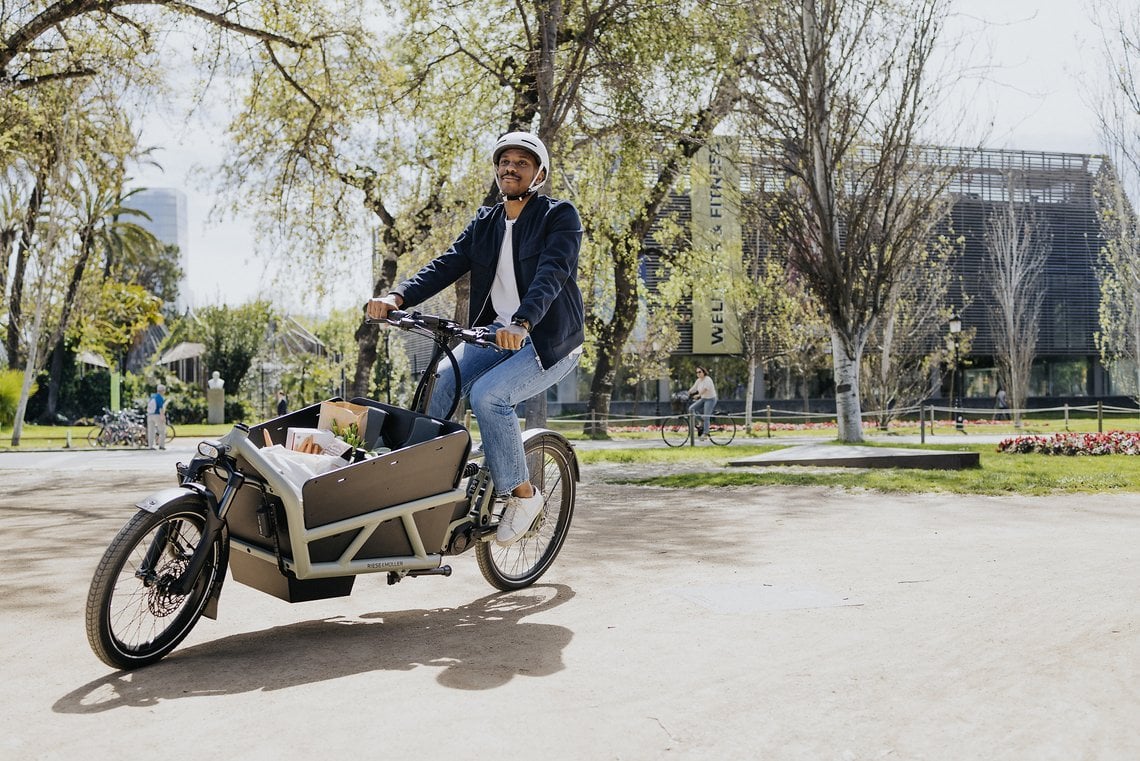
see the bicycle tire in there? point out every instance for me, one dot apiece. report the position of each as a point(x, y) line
point(675, 431)
point(170, 433)
point(722, 430)
point(550, 462)
point(132, 617)
point(97, 437)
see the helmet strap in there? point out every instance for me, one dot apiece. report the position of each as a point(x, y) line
point(535, 184)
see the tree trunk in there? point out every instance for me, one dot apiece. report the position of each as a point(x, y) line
point(367, 334)
point(848, 410)
point(16, 298)
point(601, 394)
point(749, 397)
point(7, 239)
point(86, 247)
point(47, 417)
point(613, 334)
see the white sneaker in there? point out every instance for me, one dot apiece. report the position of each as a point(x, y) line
point(517, 518)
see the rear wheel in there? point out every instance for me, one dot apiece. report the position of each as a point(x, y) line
point(134, 615)
point(550, 462)
point(169, 432)
point(722, 429)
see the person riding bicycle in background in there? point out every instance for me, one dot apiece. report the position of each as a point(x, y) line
point(704, 392)
point(522, 254)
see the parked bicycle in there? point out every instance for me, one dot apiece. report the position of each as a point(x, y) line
point(399, 512)
point(687, 427)
point(127, 428)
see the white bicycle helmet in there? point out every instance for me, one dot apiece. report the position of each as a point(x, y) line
point(531, 144)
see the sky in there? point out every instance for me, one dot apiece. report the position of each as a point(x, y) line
point(1037, 57)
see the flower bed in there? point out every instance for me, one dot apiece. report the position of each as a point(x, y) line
point(1112, 442)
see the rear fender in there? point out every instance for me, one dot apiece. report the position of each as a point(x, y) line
point(159, 499)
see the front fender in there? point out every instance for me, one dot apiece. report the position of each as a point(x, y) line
point(164, 497)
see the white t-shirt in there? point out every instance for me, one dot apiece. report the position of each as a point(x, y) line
point(504, 292)
point(704, 388)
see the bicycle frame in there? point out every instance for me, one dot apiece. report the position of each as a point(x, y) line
point(310, 542)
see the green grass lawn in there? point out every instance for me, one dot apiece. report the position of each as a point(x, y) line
point(1031, 474)
point(998, 474)
point(56, 436)
point(795, 428)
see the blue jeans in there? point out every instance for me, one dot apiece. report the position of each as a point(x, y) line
point(495, 382)
point(703, 407)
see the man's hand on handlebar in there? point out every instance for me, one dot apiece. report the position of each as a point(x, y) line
point(378, 309)
point(511, 337)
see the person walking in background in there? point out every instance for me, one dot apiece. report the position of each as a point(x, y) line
point(1001, 405)
point(704, 392)
point(282, 403)
point(156, 418)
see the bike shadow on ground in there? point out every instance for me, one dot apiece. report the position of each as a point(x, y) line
point(478, 646)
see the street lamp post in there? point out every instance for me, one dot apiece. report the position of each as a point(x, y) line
point(955, 378)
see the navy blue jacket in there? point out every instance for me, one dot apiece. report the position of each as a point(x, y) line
point(546, 239)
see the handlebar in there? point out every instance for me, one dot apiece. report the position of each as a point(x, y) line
point(437, 326)
point(441, 331)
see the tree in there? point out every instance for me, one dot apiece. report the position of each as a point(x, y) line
point(801, 335)
point(233, 336)
point(97, 212)
point(776, 319)
point(46, 42)
point(121, 315)
point(906, 346)
point(1017, 246)
point(1118, 190)
point(586, 77)
point(840, 94)
point(1118, 338)
point(621, 201)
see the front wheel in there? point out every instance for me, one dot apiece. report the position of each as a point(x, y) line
point(170, 433)
point(98, 437)
point(550, 462)
point(675, 431)
point(135, 616)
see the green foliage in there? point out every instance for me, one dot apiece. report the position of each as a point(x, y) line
point(10, 383)
point(119, 318)
point(93, 391)
point(238, 410)
point(1118, 337)
point(233, 336)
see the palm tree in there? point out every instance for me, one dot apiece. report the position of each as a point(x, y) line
point(99, 208)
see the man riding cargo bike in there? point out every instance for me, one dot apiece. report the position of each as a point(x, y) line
point(298, 506)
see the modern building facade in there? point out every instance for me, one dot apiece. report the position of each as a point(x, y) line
point(168, 222)
point(1060, 189)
